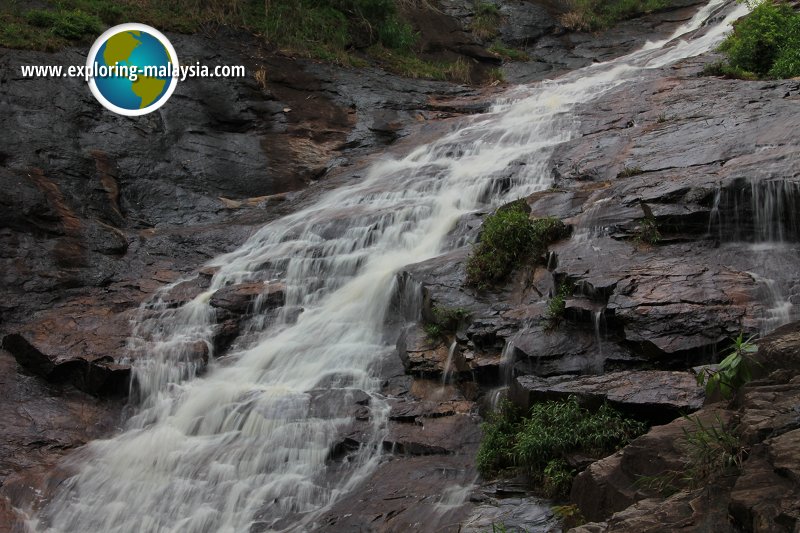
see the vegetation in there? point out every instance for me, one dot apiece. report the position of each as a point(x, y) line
point(508, 238)
point(733, 372)
point(445, 320)
point(764, 44)
point(711, 451)
point(628, 172)
point(557, 304)
point(540, 443)
point(330, 30)
point(486, 21)
point(570, 515)
point(592, 15)
point(411, 66)
point(511, 54)
point(647, 231)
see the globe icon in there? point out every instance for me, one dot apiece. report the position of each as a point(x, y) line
point(133, 67)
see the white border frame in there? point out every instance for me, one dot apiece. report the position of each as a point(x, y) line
point(132, 26)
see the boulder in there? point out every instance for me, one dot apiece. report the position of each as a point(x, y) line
point(243, 298)
point(654, 394)
point(612, 484)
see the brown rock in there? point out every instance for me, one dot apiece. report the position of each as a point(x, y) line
point(610, 485)
point(422, 355)
point(76, 342)
point(652, 393)
point(240, 299)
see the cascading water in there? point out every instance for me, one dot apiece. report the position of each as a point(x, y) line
point(243, 446)
point(760, 217)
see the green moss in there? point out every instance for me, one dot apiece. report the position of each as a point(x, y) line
point(507, 239)
point(628, 172)
point(540, 443)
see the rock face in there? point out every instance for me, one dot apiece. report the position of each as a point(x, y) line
point(763, 494)
point(646, 393)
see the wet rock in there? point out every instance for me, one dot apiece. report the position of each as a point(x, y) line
point(43, 421)
point(769, 410)
point(779, 353)
point(764, 500)
point(545, 350)
point(697, 511)
point(421, 354)
point(78, 343)
point(654, 394)
point(610, 485)
point(240, 299)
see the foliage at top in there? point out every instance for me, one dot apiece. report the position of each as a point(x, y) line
point(592, 15)
point(733, 372)
point(508, 238)
point(764, 44)
point(540, 443)
point(314, 28)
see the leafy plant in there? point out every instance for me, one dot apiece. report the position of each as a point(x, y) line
point(538, 444)
point(500, 430)
point(711, 450)
point(647, 232)
point(449, 317)
point(570, 515)
point(557, 478)
point(434, 331)
point(765, 43)
point(509, 237)
point(557, 304)
point(733, 371)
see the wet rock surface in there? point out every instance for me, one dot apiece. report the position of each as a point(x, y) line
point(647, 393)
point(94, 224)
point(760, 495)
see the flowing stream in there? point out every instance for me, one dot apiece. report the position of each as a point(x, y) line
point(242, 445)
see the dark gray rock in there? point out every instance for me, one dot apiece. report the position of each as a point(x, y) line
point(658, 395)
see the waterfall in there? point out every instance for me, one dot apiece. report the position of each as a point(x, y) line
point(242, 445)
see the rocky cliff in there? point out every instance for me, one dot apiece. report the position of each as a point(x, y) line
point(101, 211)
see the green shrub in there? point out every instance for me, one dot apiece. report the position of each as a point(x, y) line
point(647, 231)
point(449, 317)
point(434, 331)
point(486, 21)
point(766, 42)
point(558, 303)
point(557, 428)
point(540, 443)
point(712, 450)
point(507, 239)
point(41, 18)
point(71, 25)
point(557, 478)
point(397, 34)
point(733, 372)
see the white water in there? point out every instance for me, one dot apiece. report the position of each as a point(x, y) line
point(241, 444)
